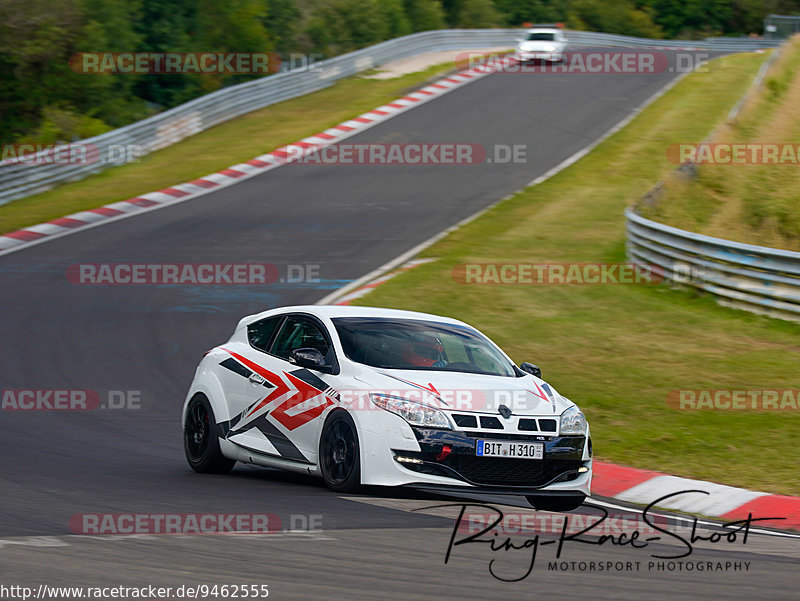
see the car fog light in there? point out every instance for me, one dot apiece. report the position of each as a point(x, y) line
point(402, 459)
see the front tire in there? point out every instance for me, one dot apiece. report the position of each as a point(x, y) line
point(556, 503)
point(200, 440)
point(339, 453)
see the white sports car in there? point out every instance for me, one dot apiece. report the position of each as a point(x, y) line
point(372, 396)
point(542, 43)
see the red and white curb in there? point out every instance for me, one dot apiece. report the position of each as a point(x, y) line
point(634, 485)
point(44, 232)
point(726, 502)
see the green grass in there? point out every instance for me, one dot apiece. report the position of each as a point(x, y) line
point(618, 350)
point(757, 204)
point(232, 142)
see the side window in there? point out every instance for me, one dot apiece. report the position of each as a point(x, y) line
point(297, 333)
point(259, 334)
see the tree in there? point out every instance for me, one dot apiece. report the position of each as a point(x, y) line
point(229, 26)
point(517, 12)
point(695, 18)
point(425, 15)
point(612, 16)
point(36, 37)
point(109, 27)
point(282, 22)
point(394, 14)
point(339, 26)
point(166, 26)
point(475, 14)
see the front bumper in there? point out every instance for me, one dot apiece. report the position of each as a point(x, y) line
point(550, 57)
point(566, 464)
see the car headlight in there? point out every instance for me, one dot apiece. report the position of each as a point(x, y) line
point(414, 412)
point(549, 48)
point(573, 422)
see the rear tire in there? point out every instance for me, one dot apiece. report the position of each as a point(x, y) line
point(340, 453)
point(556, 503)
point(200, 440)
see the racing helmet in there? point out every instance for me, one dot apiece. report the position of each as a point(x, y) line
point(423, 351)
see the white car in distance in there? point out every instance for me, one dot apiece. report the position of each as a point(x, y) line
point(546, 44)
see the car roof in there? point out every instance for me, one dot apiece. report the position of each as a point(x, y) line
point(544, 30)
point(334, 311)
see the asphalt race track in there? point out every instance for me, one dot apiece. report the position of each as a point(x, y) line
point(347, 220)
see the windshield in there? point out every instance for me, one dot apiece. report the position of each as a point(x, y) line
point(541, 37)
point(416, 344)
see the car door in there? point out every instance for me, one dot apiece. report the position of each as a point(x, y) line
point(236, 378)
point(284, 402)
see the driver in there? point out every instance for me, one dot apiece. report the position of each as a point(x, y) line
point(425, 351)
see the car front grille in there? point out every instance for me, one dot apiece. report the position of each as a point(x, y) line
point(491, 422)
point(510, 472)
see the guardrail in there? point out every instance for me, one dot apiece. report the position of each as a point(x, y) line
point(590, 38)
point(18, 180)
point(754, 278)
point(745, 276)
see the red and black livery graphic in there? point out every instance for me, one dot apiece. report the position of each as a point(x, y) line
point(295, 389)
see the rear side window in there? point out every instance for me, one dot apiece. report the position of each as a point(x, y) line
point(260, 333)
point(300, 333)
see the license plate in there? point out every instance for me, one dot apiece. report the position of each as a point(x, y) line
point(509, 449)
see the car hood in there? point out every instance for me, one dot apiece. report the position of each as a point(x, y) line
point(539, 46)
point(457, 391)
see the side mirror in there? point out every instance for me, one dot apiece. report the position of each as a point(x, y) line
point(532, 369)
point(310, 358)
